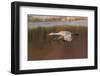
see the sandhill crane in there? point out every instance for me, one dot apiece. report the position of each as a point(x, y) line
point(66, 35)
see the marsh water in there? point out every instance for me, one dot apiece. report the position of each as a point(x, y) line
point(44, 47)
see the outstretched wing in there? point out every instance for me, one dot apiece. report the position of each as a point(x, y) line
point(68, 38)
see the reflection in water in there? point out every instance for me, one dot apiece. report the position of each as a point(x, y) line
point(44, 47)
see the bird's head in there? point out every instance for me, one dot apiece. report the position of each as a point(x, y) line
point(51, 33)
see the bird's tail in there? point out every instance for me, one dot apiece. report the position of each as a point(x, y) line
point(75, 34)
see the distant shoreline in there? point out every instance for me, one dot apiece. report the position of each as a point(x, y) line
point(57, 23)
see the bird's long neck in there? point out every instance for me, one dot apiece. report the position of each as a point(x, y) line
point(56, 34)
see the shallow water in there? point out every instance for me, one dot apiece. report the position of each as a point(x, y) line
point(44, 47)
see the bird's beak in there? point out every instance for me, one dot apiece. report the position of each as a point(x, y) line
point(49, 34)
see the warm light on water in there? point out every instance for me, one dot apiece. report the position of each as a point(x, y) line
point(43, 47)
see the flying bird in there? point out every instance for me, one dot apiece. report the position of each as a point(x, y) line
point(66, 35)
